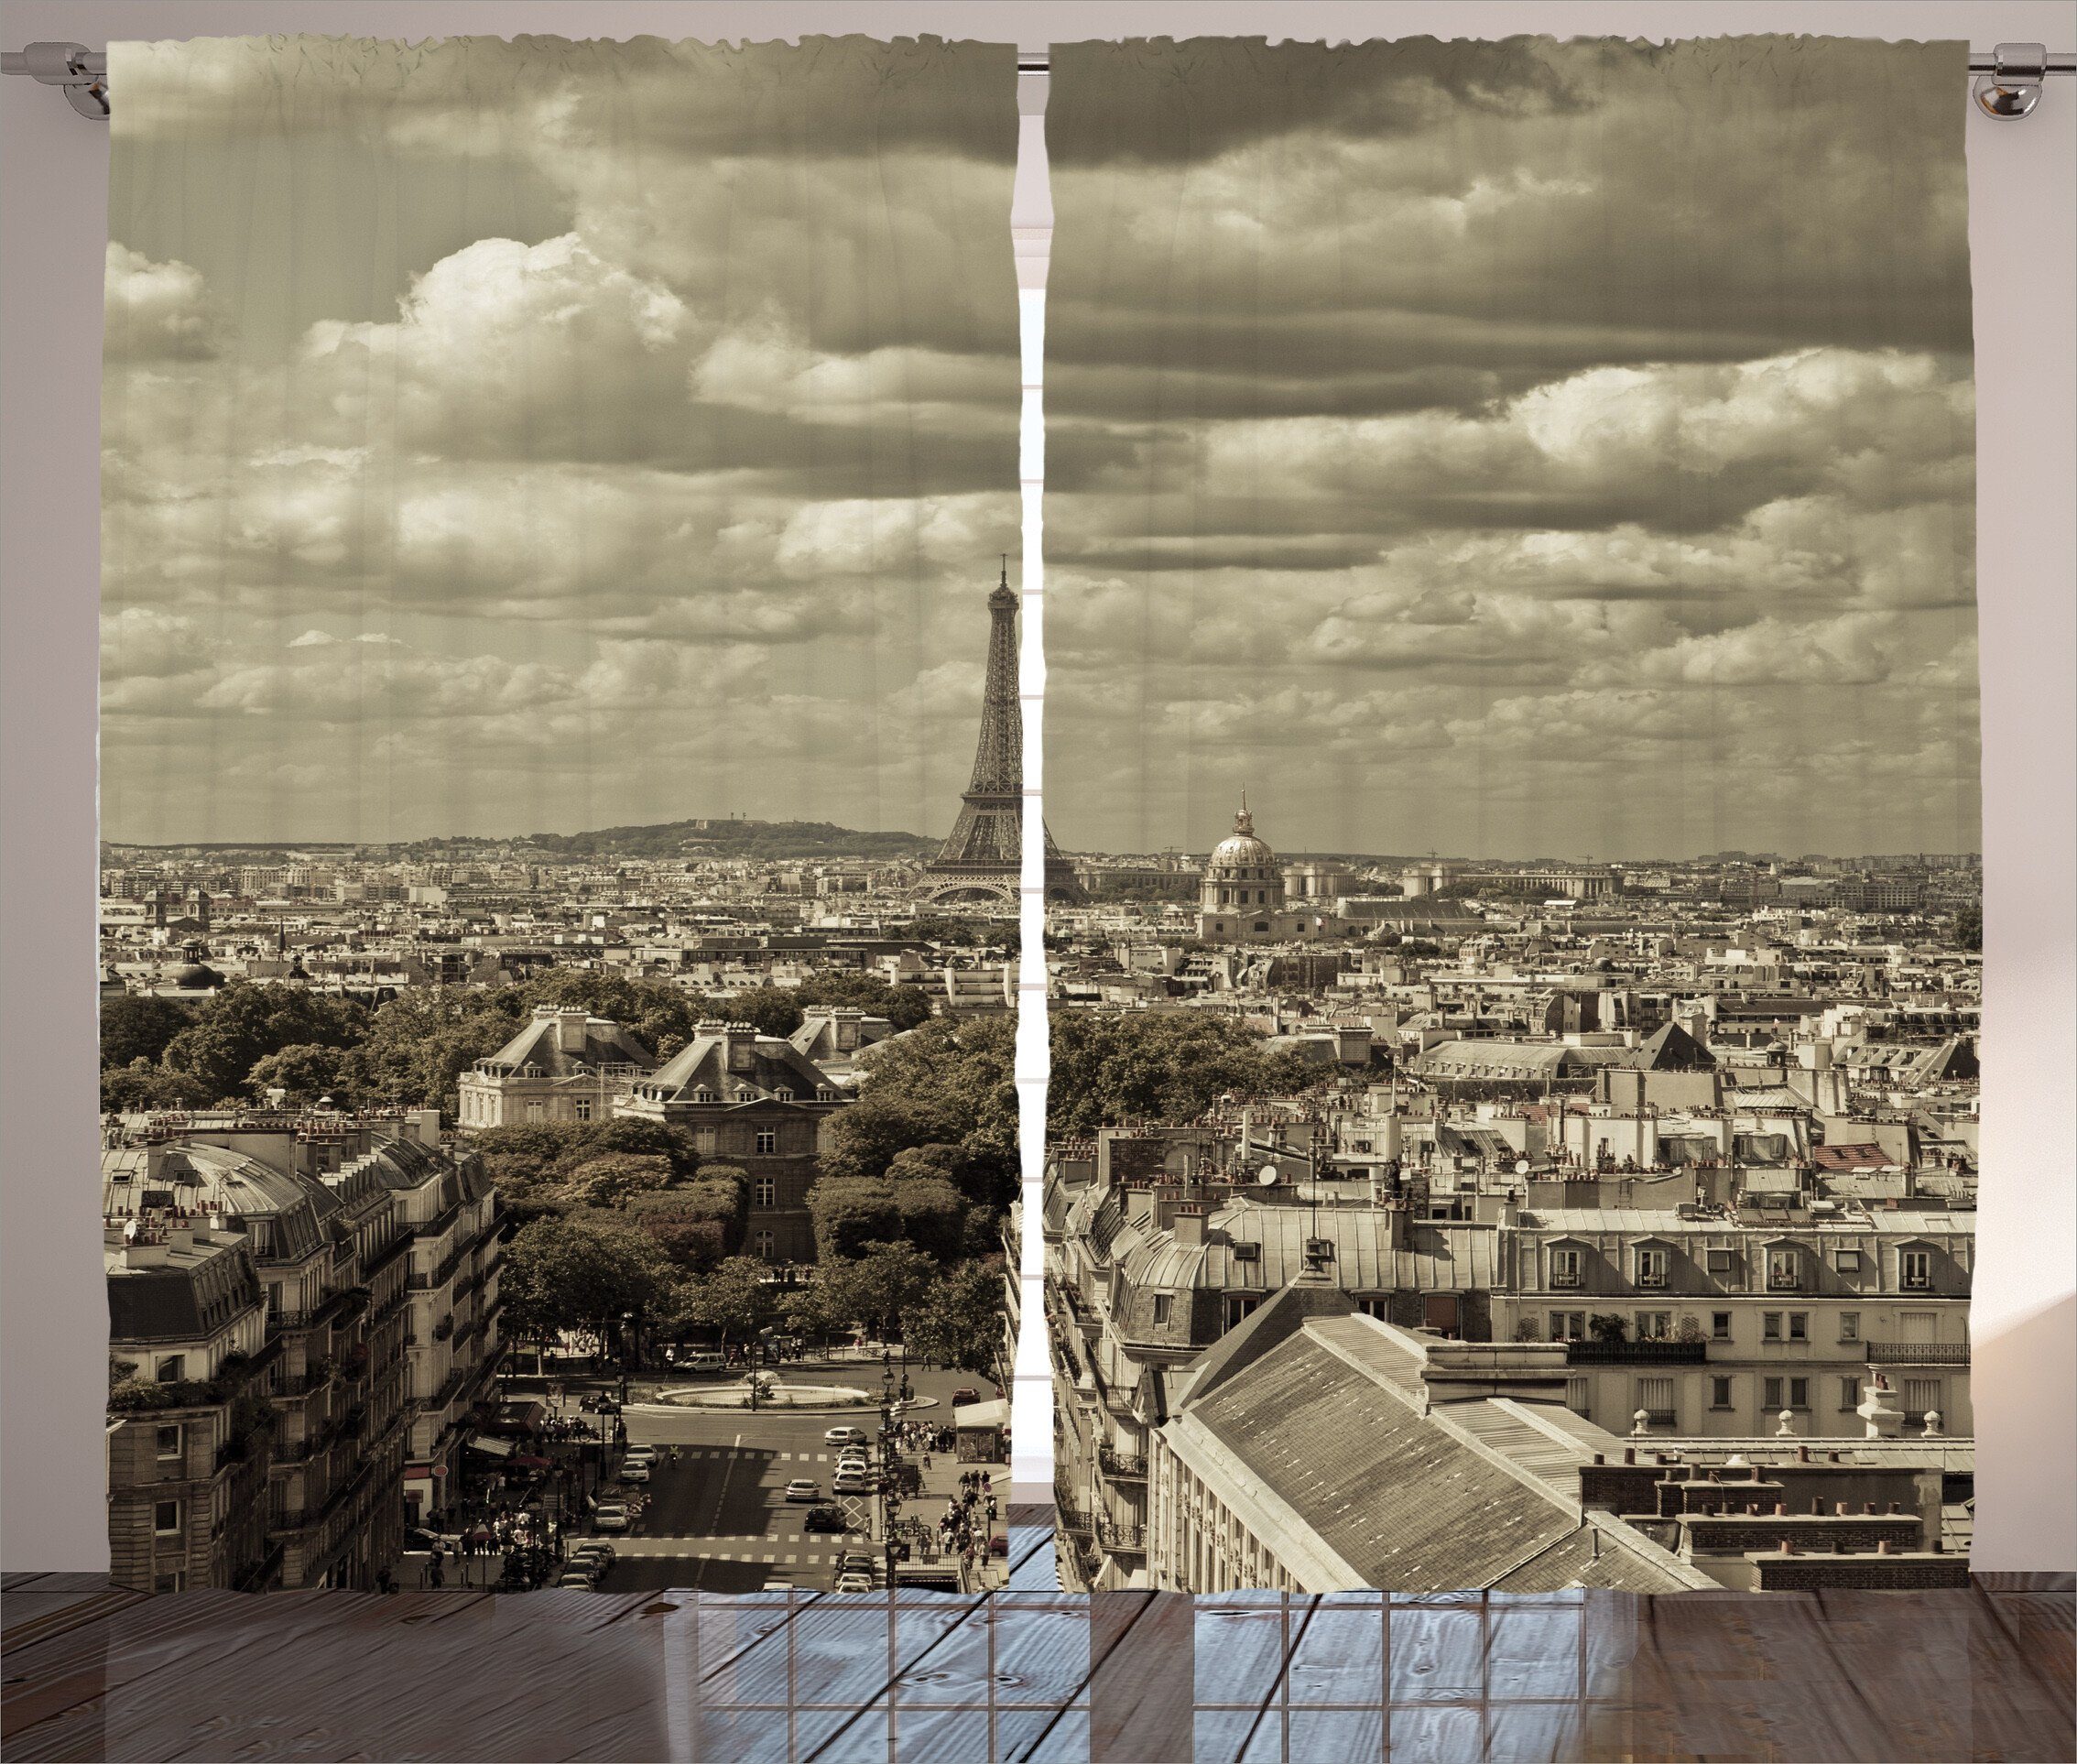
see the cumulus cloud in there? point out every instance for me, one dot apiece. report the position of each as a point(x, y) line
point(157, 311)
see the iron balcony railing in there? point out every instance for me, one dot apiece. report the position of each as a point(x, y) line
point(1113, 1535)
point(1637, 1353)
point(1918, 1353)
point(1121, 1464)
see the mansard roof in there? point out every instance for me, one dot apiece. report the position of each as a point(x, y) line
point(736, 1065)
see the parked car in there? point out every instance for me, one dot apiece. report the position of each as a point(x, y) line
point(851, 1482)
point(704, 1362)
point(646, 1453)
point(804, 1488)
point(854, 1582)
point(844, 1436)
point(610, 1515)
point(999, 1545)
point(825, 1519)
point(635, 1470)
point(776, 1584)
point(576, 1580)
point(594, 1555)
point(853, 1561)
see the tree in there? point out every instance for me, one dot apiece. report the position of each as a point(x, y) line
point(569, 1273)
point(951, 1083)
point(307, 1071)
point(247, 1020)
point(905, 1007)
point(961, 1322)
point(1109, 1067)
point(1969, 928)
point(736, 1299)
point(1609, 1326)
point(880, 1286)
point(805, 1311)
point(613, 1178)
point(135, 1026)
point(419, 1043)
point(849, 1212)
point(140, 1088)
point(770, 1010)
point(661, 1016)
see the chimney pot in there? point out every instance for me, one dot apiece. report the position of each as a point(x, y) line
point(1882, 1547)
point(1787, 1546)
point(1781, 1507)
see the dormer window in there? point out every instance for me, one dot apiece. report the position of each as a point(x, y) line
point(1914, 1269)
point(1566, 1268)
point(1784, 1270)
point(1654, 1267)
point(782, 1096)
point(705, 1097)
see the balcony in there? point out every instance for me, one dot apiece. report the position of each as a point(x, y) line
point(1918, 1353)
point(1127, 1539)
point(1637, 1353)
point(1121, 1468)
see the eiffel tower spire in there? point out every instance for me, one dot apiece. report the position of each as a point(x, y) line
point(983, 856)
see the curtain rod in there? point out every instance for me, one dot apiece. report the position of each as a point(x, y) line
point(2009, 86)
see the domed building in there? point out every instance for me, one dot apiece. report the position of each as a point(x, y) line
point(1242, 897)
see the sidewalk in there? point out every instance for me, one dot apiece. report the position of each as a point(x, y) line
point(941, 1488)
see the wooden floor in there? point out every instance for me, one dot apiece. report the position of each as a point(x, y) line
point(1032, 1674)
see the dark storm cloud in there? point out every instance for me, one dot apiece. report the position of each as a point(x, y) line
point(1360, 91)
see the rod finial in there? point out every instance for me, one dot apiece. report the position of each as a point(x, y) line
point(2013, 87)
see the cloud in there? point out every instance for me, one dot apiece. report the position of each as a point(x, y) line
point(157, 311)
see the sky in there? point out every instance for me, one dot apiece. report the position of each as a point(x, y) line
point(1511, 449)
point(507, 439)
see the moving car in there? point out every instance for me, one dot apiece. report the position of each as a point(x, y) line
point(775, 1585)
point(965, 1394)
point(610, 1515)
point(575, 1580)
point(804, 1488)
point(999, 1545)
point(853, 1561)
point(851, 1482)
point(844, 1436)
point(635, 1470)
point(854, 1582)
point(825, 1519)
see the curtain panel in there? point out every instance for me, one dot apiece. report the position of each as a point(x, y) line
point(556, 497)
point(1512, 706)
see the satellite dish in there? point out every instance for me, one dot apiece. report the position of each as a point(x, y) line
point(1267, 1176)
point(1521, 1165)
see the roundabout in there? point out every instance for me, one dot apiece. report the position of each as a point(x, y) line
point(772, 1393)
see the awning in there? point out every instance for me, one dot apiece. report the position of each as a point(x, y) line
point(492, 1446)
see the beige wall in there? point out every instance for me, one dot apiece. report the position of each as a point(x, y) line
point(53, 169)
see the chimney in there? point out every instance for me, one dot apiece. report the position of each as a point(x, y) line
point(570, 1029)
point(1187, 1227)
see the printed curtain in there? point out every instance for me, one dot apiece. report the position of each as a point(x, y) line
point(1512, 710)
point(557, 497)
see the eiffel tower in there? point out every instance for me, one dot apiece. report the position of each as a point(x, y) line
point(982, 858)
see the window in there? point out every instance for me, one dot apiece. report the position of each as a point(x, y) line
point(175, 1581)
point(170, 1442)
point(1564, 1268)
point(1654, 1325)
point(767, 1140)
point(1238, 1308)
point(763, 1192)
point(1915, 1269)
point(1799, 1325)
point(1161, 1304)
point(165, 1517)
point(1850, 1327)
point(1770, 1325)
point(172, 1367)
point(1849, 1395)
point(706, 1139)
point(782, 1096)
point(1568, 1325)
point(1576, 1397)
point(1796, 1391)
point(1784, 1270)
point(1653, 1267)
point(1723, 1261)
point(583, 1108)
point(537, 1110)
point(1847, 1261)
point(1720, 1325)
point(705, 1096)
point(1921, 1397)
point(1654, 1397)
point(763, 1242)
point(1719, 1393)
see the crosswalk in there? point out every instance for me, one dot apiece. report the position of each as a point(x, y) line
point(744, 1549)
point(693, 1454)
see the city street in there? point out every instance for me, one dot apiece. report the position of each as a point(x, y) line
point(717, 1517)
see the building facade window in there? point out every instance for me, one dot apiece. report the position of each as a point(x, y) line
point(1799, 1325)
point(1921, 1397)
point(768, 1141)
point(1847, 1261)
point(1720, 1325)
point(1770, 1325)
point(1654, 1267)
point(1849, 1395)
point(1784, 1270)
point(1654, 1397)
point(168, 1441)
point(1915, 1270)
point(1655, 1325)
point(172, 1367)
point(1568, 1325)
point(1719, 1393)
point(763, 1192)
point(1786, 1393)
point(583, 1108)
point(1161, 1305)
point(763, 1243)
point(537, 1110)
point(1565, 1267)
point(165, 1517)
point(1849, 1325)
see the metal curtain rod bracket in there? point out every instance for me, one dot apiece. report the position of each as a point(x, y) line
point(2010, 85)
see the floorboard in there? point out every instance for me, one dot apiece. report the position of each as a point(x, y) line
point(1038, 1676)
